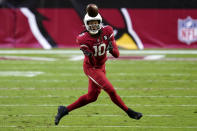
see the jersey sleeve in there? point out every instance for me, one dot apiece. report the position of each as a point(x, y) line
point(86, 50)
point(82, 44)
point(115, 52)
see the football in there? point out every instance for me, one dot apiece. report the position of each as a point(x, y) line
point(92, 10)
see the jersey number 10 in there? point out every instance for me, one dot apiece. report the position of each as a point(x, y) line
point(99, 50)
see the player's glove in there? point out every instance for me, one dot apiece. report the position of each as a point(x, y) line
point(110, 46)
point(89, 54)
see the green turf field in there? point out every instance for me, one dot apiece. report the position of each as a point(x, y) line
point(164, 90)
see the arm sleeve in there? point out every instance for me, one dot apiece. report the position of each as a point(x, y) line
point(115, 52)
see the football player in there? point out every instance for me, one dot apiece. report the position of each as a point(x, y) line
point(95, 42)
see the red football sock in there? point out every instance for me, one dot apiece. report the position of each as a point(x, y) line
point(82, 101)
point(117, 100)
point(78, 103)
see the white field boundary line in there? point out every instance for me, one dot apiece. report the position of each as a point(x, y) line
point(28, 58)
point(94, 105)
point(50, 96)
point(85, 88)
point(80, 52)
point(103, 126)
point(89, 115)
point(110, 62)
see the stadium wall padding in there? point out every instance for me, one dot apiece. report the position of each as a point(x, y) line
point(138, 24)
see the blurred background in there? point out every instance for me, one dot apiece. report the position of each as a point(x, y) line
point(138, 24)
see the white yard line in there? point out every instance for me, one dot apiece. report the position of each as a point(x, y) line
point(85, 88)
point(93, 105)
point(19, 73)
point(51, 96)
point(126, 63)
point(154, 57)
point(83, 80)
point(40, 52)
point(113, 74)
point(80, 52)
point(148, 57)
point(77, 58)
point(25, 67)
point(90, 115)
point(158, 51)
point(108, 126)
point(103, 126)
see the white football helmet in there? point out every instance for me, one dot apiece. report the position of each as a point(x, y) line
point(88, 18)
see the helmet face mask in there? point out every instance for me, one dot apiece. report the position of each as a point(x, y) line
point(93, 24)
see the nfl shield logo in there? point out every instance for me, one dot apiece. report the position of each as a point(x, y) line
point(187, 30)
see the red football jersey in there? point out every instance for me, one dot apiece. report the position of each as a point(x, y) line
point(97, 45)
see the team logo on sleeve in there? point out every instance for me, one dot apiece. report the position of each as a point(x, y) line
point(187, 30)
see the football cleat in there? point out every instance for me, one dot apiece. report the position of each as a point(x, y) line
point(133, 114)
point(62, 111)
